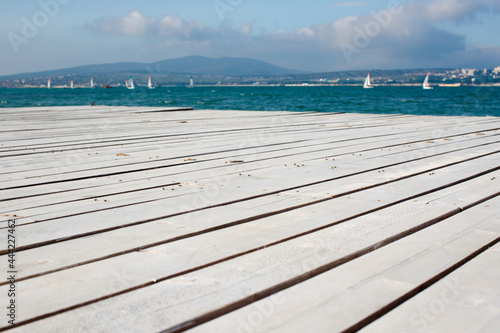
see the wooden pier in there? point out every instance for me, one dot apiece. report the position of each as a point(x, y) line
point(172, 220)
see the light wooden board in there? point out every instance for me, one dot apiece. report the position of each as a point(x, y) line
point(182, 298)
point(206, 210)
point(468, 300)
point(99, 220)
point(341, 163)
point(365, 285)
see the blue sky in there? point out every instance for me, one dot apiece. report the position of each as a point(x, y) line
point(323, 35)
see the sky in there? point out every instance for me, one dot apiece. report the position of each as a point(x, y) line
point(324, 35)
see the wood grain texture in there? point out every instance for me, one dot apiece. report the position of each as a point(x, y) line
point(158, 219)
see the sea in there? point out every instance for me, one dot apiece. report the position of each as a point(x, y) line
point(441, 101)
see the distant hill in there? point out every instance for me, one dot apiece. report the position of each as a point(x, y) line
point(219, 66)
point(193, 65)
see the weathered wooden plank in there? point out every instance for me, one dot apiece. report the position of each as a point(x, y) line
point(233, 230)
point(53, 229)
point(205, 290)
point(217, 141)
point(141, 153)
point(52, 257)
point(338, 299)
point(112, 180)
point(443, 124)
point(164, 260)
point(467, 300)
point(67, 165)
point(113, 127)
point(141, 195)
point(180, 130)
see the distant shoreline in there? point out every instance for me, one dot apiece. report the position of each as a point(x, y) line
point(277, 85)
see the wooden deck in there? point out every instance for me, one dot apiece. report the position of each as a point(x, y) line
point(166, 220)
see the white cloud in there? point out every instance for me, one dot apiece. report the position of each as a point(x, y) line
point(409, 36)
point(133, 24)
point(402, 37)
point(175, 28)
point(247, 28)
point(170, 29)
point(455, 10)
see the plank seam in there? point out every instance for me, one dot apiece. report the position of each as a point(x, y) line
point(412, 293)
point(182, 327)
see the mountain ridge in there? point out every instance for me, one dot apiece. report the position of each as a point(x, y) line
point(191, 65)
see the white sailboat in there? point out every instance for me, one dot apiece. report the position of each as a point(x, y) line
point(92, 83)
point(130, 83)
point(48, 84)
point(150, 84)
point(426, 84)
point(368, 83)
point(191, 83)
point(72, 85)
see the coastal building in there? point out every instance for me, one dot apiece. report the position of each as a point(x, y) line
point(496, 70)
point(469, 72)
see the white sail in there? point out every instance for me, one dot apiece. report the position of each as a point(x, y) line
point(150, 84)
point(72, 85)
point(130, 83)
point(191, 83)
point(48, 84)
point(426, 84)
point(368, 84)
point(91, 83)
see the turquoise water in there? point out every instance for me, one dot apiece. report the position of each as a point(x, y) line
point(470, 101)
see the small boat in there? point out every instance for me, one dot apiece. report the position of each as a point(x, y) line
point(107, 87)
point(92, 83)
point(150, 84)
point(130, 83)
point(72, 85)
point(426, 84)
point(48, 84)
point(191, 83)
point(368, 84)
